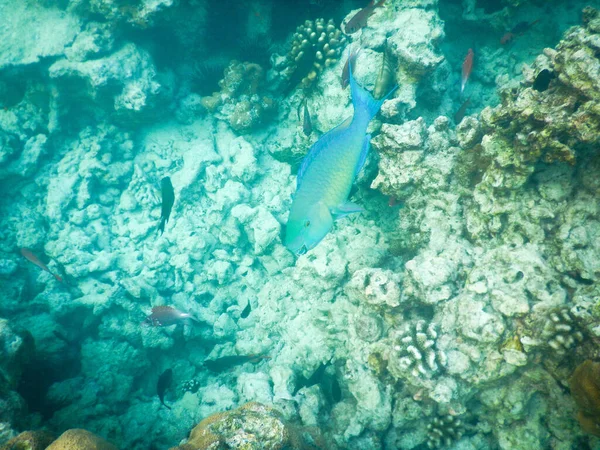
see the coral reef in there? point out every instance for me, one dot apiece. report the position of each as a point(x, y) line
point(443, 431)
point(468, 283)
point(316, 45)
point(531, 126)
point(191, 386)
point(560, 332)
point(414, 351)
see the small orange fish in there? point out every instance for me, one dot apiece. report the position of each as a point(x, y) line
point(460, 114)
point(359, 20)
point(507, 38)
point(28, 254)
point(165, 316)
point(467, 67)
point(350, 61)
point(518, 30)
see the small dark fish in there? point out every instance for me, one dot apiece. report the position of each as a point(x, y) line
point(350, 61)
point(359, 20)
point(543, 79)
point(315, 378)
point(522, 27)
point(336, 390)
point(460, 114)
point(28, 254)
point(164, 382)
point(517, 30)
point(166, 315)
point(227, 362)
point(62, 337)
point(306, 121)
point(246, 312)
point(385, 80)
point(506, 38)
point(168, 198)
point(392, 201)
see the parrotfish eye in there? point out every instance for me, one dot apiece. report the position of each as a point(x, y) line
point(307, 223)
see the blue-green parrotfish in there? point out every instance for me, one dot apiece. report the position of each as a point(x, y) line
point(327, 173)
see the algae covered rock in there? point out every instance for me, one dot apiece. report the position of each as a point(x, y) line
point(49, 31)
point(241, 100)
point(29, 440)
point(78, 439)
point(16, 349)
point(251, 427)
point(124, 81)
point(532, 126)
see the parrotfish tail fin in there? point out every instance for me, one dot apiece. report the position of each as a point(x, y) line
point(363, 101)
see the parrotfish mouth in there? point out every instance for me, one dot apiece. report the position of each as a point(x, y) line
point(302, 250)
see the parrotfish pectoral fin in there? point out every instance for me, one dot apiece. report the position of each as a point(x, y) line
point(363, 154)
point(344, 209)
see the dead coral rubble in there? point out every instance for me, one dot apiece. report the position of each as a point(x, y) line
point(240, 99)
point(251, 426)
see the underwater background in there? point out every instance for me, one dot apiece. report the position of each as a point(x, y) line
point(148, 159)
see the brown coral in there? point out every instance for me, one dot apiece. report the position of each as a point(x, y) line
point(29, 440)
point(315, 46)
point(78, 439)
point(585, 389)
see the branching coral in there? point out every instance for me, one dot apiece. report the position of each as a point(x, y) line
point(442, 431)
point(315, 46)
point(585, 389)
point(561, 332)
point(414, 352)
point(190, 386)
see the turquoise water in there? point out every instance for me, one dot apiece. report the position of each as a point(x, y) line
point(148, 161)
